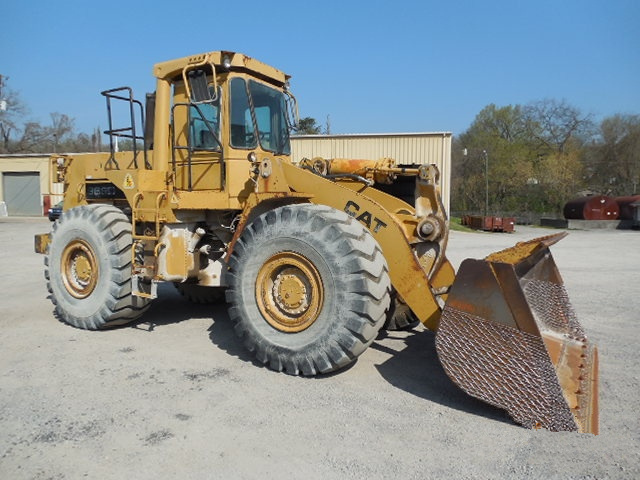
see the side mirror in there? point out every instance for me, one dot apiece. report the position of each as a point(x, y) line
point(291, 111)
point(196, 84)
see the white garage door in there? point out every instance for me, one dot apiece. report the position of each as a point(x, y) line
point(22, 193)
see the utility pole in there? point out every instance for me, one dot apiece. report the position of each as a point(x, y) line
point(485, 156)
point(486, 178)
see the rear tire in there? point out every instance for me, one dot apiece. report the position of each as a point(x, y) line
point(88, 268)
point(309, 289)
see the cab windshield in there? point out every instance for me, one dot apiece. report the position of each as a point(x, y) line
point(265, 123)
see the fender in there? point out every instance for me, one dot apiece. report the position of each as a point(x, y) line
point(408, 276)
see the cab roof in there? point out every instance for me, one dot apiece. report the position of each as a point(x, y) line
point(236, 61)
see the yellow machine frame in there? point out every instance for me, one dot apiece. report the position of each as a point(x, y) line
point(158, 196)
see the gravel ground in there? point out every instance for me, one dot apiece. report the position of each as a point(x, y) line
point(176, 396)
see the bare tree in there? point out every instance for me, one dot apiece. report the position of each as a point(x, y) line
point(613, 161)
point(10, 118)
point(61, 128)
point(34, 137)
point(556, 124)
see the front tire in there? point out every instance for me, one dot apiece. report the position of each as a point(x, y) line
point(88, 268)
point(309, 289)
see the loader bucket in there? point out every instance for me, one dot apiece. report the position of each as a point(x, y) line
point(509, 336)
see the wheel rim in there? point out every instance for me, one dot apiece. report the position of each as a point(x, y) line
point(79, 269)
point(289, 292)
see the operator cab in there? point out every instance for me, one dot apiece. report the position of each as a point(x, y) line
point(221, 107)
point(234, 107)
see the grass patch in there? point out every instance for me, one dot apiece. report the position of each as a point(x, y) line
point(455, 223)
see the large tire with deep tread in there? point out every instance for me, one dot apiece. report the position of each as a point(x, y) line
point(309, 289)
point(88, 268)
point(200, 293)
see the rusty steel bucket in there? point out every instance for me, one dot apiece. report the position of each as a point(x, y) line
point(509, 336)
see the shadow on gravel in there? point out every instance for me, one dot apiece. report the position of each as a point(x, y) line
point(223, 336)
point(170, 307)
point(417, 370)
point(414, 368)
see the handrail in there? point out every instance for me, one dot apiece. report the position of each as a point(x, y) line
point(121, 132)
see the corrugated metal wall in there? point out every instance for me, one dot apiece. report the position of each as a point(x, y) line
point(405, 148)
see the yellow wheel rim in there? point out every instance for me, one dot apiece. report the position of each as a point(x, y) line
point(289, 292)
point(79, 269)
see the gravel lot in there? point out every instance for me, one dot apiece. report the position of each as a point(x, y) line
point(177, 396)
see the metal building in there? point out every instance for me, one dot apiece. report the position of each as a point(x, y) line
point(24, 182)
point(405, 148)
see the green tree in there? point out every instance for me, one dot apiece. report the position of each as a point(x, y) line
point(308, 126)
point(496, 139)
point(533, 153)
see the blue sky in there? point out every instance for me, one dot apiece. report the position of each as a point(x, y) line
point(372, 66)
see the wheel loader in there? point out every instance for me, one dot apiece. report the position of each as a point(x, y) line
point(312, 256)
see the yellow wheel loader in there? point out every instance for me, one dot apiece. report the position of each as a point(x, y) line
point(311, 255)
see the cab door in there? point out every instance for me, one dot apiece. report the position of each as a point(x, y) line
point(197, 147)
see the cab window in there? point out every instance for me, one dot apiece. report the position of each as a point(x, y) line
point(270, 109)
point(243, 134)
point(204, 125)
